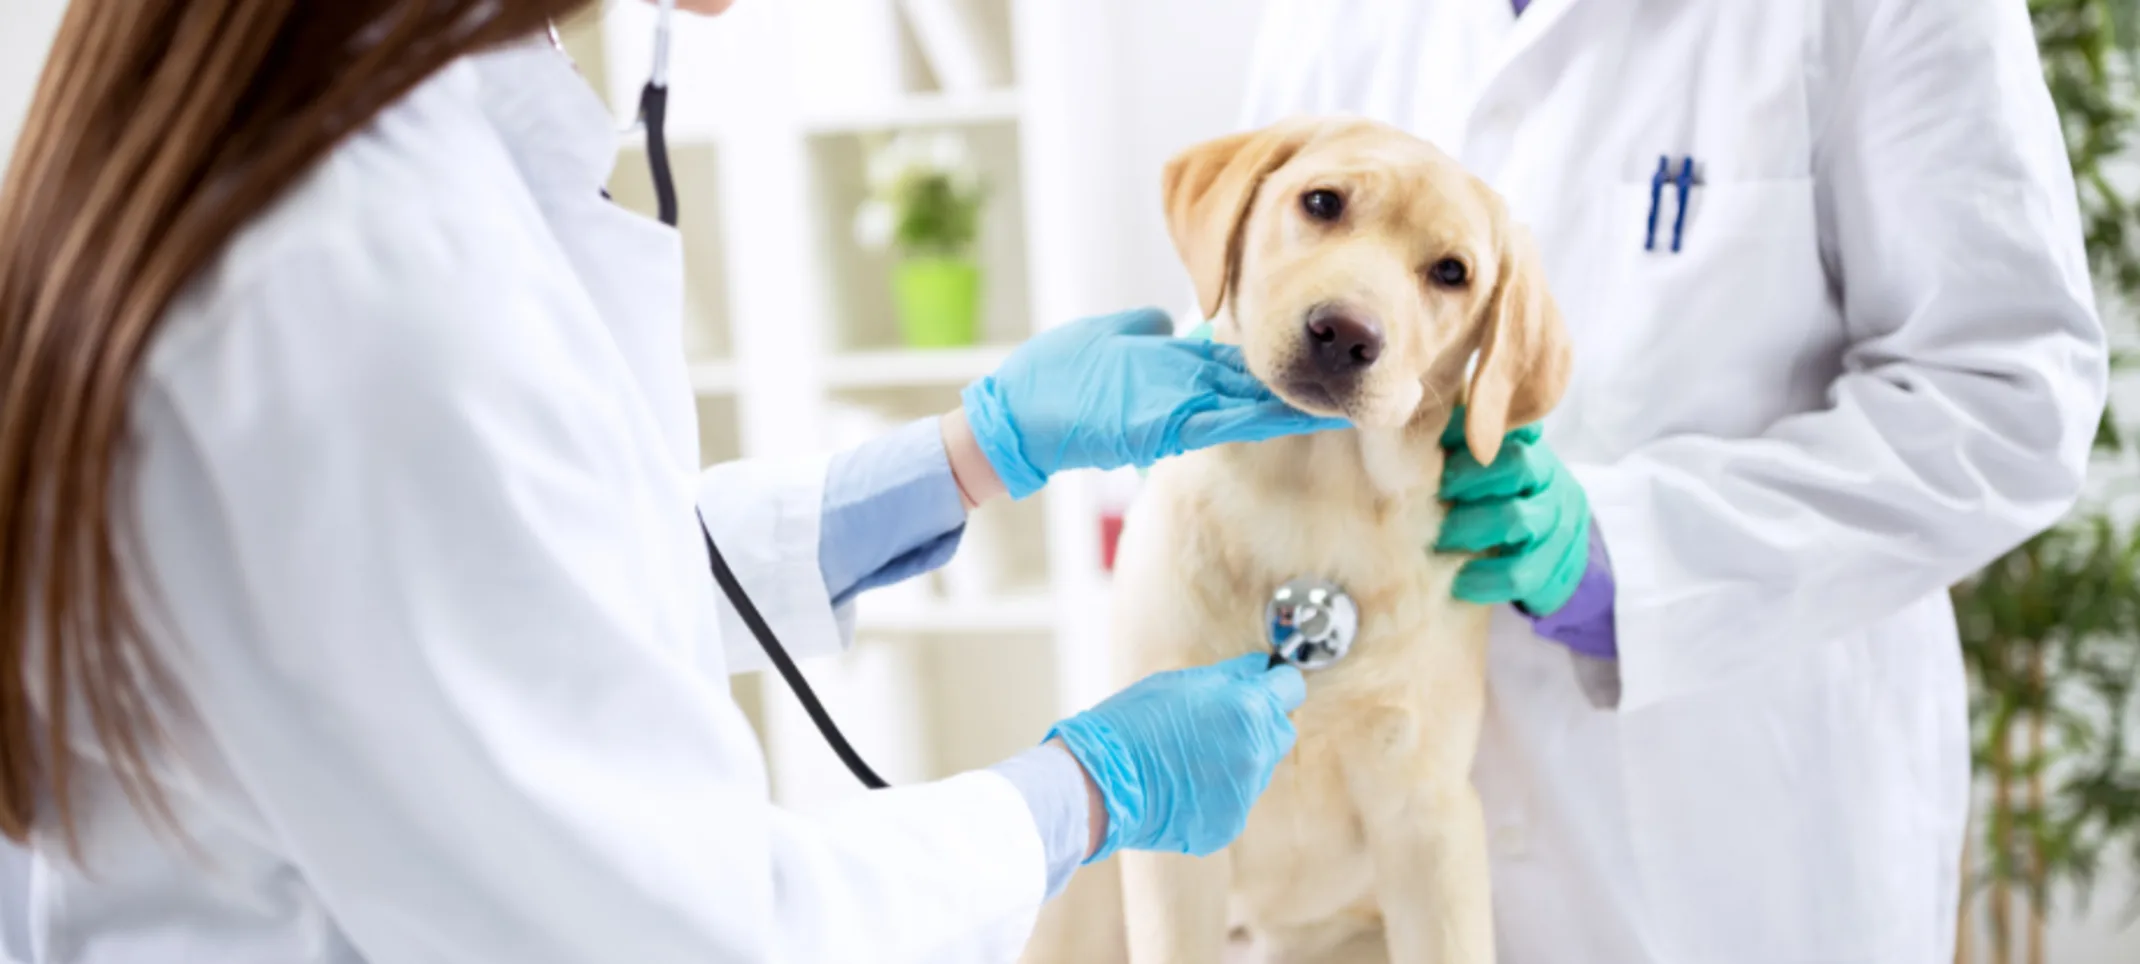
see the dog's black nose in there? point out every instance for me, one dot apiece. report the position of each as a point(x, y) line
point(1343, 342)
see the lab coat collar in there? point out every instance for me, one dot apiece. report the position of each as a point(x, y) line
point(1508, 76)
point(553, 124)
point(564, 143)
point(1537, 21)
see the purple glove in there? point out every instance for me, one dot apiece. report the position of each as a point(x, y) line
point(1585, 624)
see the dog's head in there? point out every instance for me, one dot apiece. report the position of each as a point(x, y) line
point(1364, 268)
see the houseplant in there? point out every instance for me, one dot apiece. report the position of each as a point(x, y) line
point(924, 205)
point(2051, 632)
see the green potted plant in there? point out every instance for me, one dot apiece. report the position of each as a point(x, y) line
point(2051, 632)
point(924, 206)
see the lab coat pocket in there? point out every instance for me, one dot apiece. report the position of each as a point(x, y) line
point(1715, 337)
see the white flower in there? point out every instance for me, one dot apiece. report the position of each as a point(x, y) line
point(874, 223)
point(906, 175)
point(900, 158)
point(885, 166)
point(947, 153)
point(913, 154)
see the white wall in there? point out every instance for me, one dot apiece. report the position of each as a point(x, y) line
point(2102, 933)
point(1181, 67)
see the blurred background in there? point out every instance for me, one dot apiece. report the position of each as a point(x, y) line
point(881, 196)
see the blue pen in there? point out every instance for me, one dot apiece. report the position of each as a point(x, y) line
point(1679, 221)
point(1664, 167)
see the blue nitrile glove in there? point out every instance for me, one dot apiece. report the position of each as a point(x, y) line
point(1119, 390)
point(1525, 513)
point(1179, 757)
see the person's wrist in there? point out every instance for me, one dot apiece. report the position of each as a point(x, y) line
point(976, 478)
point(1095, 805)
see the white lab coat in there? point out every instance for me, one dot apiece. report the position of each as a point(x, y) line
point(1874, 366)
point(417, 460)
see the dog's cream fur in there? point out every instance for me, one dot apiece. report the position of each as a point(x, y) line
point(1369, 845)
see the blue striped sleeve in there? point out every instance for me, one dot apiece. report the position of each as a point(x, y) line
point(891, 511)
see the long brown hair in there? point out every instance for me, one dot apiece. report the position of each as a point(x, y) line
point(160, 127)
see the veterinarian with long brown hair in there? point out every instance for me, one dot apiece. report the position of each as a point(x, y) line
point(1835, 348)
point(352, 604)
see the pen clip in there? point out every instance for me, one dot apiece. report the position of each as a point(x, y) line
point(1664, 168)
point(1686, 183)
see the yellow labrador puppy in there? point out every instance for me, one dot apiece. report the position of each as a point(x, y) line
point(1363, 273)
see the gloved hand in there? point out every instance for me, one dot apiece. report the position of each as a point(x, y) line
point(1115, 391)
point(1180, 757)
point(1525, 513)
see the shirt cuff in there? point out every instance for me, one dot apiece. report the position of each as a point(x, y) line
point(1585, 624)
point(891, 511)
point(1054, 787)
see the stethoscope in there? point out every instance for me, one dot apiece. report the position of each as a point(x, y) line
point(1311, 623)
point(652, 121)
point(653, 117)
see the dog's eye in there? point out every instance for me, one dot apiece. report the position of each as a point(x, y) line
point(1323, 204)
point(1450, 272)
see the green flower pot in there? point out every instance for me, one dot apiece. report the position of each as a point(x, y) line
point(939, 301)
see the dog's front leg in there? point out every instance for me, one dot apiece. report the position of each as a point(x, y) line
point(1431, 880)
point(1426, 836)
point(1175, 907)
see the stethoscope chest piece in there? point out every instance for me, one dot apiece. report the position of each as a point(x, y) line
point(1311, 623)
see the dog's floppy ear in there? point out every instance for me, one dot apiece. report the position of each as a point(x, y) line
point(1208, 190)
point(1524, 355)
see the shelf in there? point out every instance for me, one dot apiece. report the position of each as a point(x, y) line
point(919, 110)
point(713, 378)
point(1033, 613)
point(913, 367)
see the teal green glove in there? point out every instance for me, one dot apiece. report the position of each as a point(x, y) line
point(1180, 757)
point(1115, 391)
point(1525, 515)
